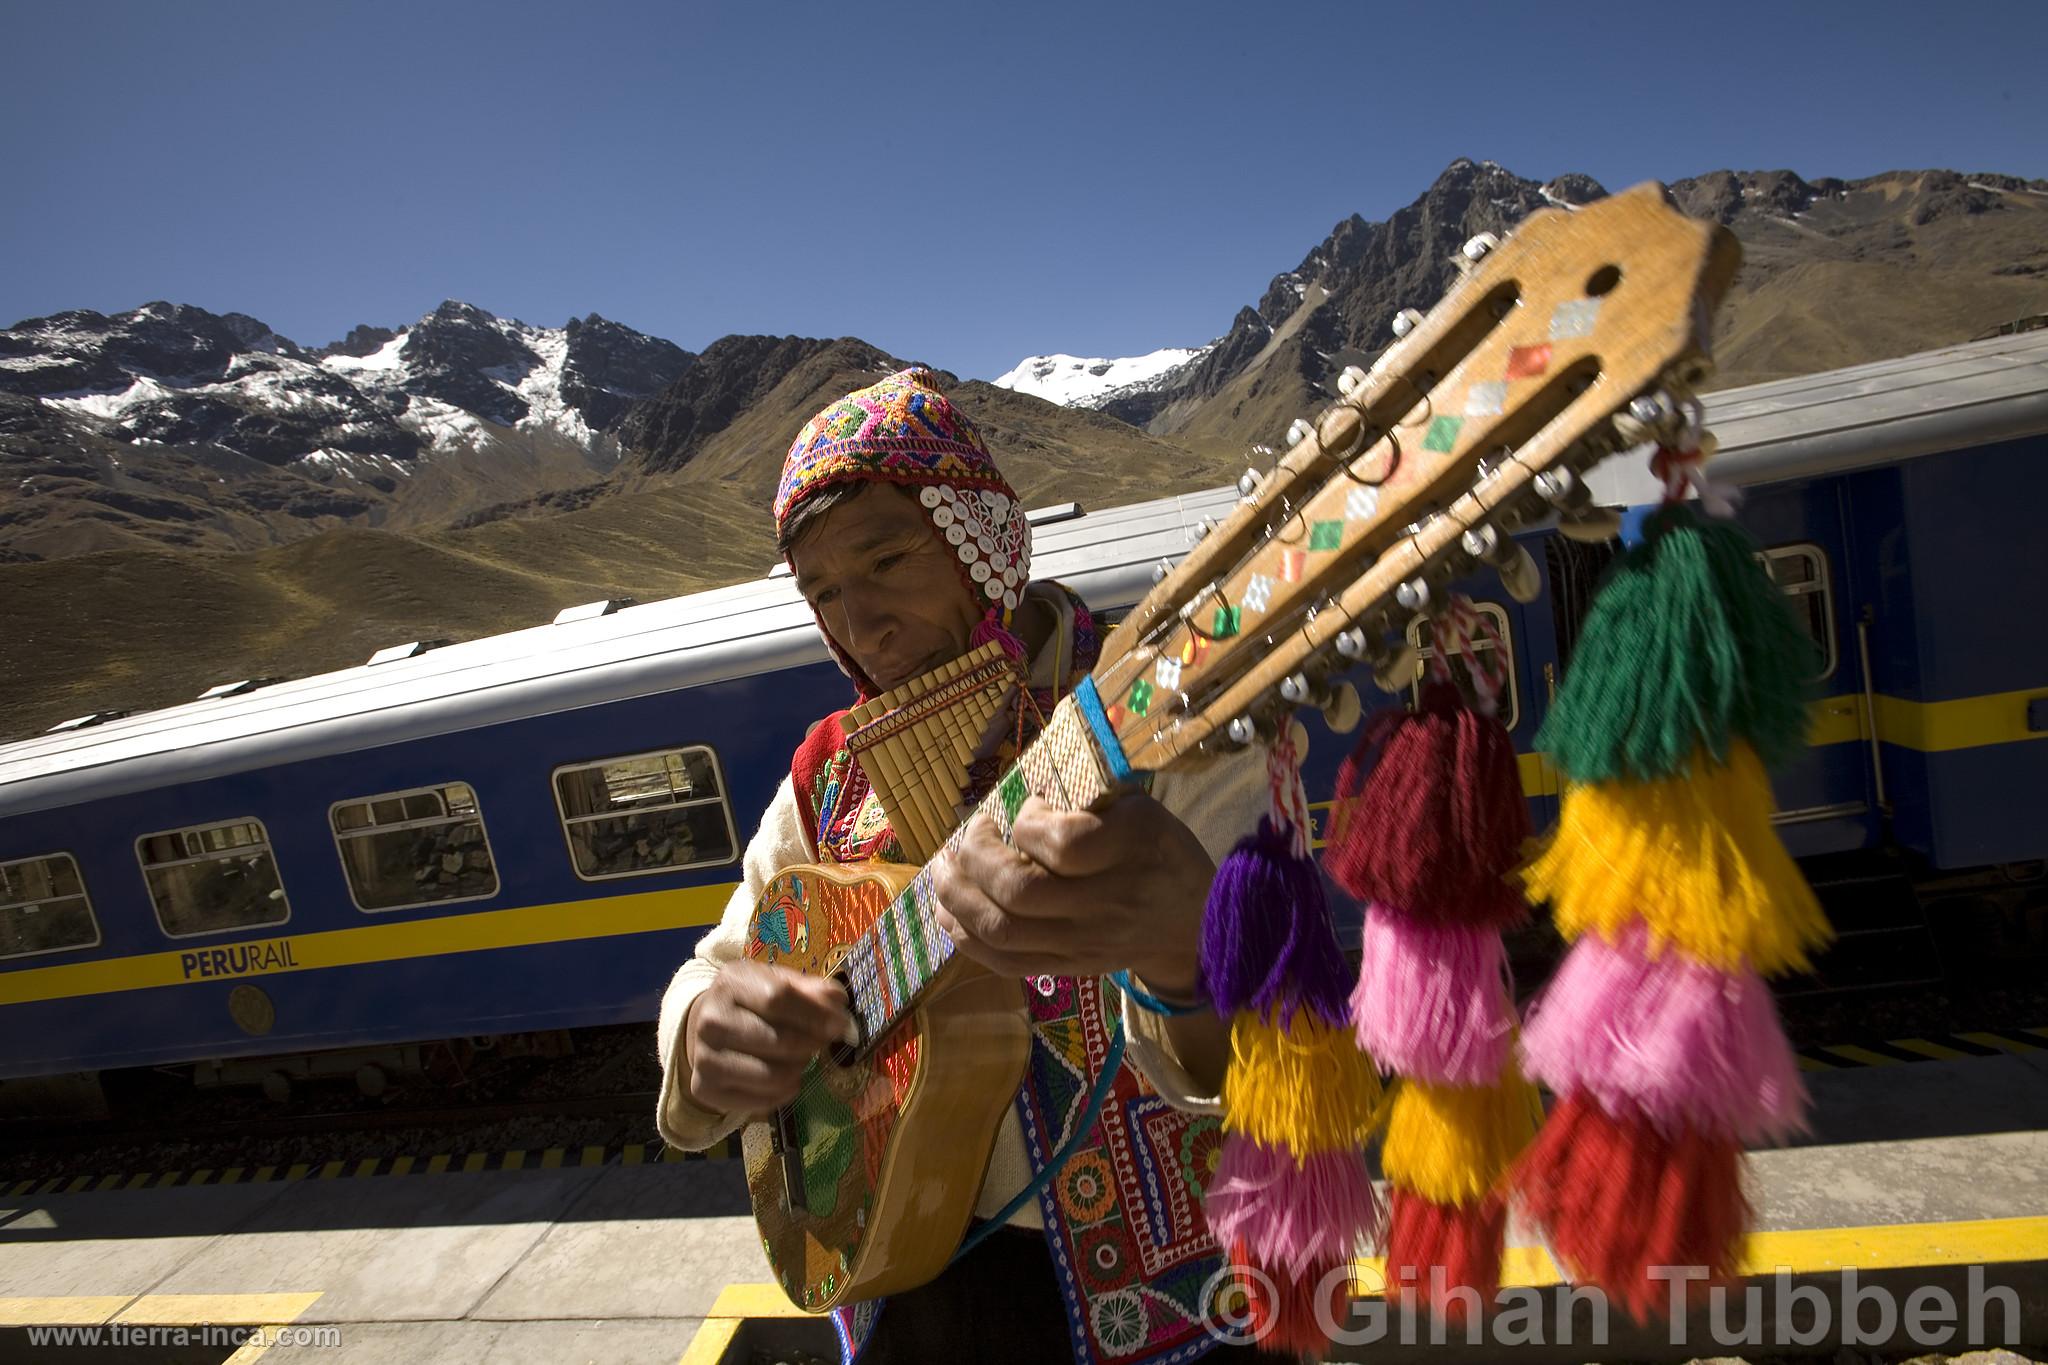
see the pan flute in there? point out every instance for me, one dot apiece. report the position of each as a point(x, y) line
point(915, 743)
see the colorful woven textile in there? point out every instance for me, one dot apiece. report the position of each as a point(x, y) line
point(903, 430)
point(1123, 1217)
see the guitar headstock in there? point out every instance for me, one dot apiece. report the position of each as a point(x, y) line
point(1477, 420)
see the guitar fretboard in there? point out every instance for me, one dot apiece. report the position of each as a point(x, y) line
point(900, 958)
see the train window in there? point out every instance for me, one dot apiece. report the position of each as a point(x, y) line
point(1801, 573)
point(43, 907)
point(407, 849)
point(651, 812)
point(211, 878)
point(1419, 635)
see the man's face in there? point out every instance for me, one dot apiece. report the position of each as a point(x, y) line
point(886, 588)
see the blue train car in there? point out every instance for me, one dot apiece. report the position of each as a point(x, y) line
point(527, 832)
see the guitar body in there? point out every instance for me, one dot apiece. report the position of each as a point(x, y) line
point(865, 1184)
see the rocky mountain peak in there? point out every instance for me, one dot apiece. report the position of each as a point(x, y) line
point(362, 340)
point(731, 377)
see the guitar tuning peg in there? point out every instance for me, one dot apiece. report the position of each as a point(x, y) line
point(1590, 525)
point(1160, 571)
point(1477, 248)
point(1563, 489)
point(1296, 689)
point(1520, 576)
point(1241, 731)
point(1353, 644)
point(1406, 321)
point(1398, 670)
point(1298, 431)
point(1350, 380)
point(1342, 710)
point(1517, 569)
point(1647, 418)
point(1414, 594)
point(1203, 528)
point(1248, 484)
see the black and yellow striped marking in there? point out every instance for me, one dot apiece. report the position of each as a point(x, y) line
point(1935, 1047)
point(461, 1163)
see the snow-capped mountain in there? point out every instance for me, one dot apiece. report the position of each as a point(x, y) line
point(1075, 381)
point(458, 411)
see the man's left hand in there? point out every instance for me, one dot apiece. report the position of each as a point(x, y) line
point(1076, 893)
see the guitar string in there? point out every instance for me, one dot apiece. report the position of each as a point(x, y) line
point(816, 1079)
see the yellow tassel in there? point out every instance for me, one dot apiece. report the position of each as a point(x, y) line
point(1451, 1144)
point(1309, 1087)
point(1695, 858)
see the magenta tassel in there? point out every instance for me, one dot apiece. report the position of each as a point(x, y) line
point(1691, 1046)
point(1432, 999)
point(1296, 1216)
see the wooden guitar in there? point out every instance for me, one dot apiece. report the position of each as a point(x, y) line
point(1584, 334)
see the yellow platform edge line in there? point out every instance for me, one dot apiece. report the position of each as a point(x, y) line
point(155, 1310)
point(713, 1339)
point(1860, 1055)
point(1803, 1251)
point(257, 1346)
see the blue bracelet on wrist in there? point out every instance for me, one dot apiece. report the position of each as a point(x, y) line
point(1145, 1000)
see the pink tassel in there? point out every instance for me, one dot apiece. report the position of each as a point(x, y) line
point(1292, 1215)
point(1690, 1046)
point(1431, 1000)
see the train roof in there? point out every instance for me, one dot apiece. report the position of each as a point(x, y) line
point(706, 637)
point(1947, 399)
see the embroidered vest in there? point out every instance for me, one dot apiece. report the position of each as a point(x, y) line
point(1123, 1217)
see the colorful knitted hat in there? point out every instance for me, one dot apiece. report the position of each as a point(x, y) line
point(903, 430)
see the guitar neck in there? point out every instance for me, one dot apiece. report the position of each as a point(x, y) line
point(901, 959)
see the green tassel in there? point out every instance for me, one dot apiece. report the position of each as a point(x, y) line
point(1689, 645)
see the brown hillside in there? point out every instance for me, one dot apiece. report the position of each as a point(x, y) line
point(184, 621)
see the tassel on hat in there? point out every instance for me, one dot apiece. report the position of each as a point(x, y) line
point(1292, 1199)
point(1431, 820)
point(1658, 1033)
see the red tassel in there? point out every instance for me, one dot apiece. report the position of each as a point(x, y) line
point(1434, 1249)
point(1286, 1313)
point(1430, 814)
point(1616, 1197)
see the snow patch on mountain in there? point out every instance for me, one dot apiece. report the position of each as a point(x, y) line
point(1082, 381)
point(385, 357)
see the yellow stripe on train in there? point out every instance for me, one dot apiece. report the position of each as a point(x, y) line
point(684, 908)
point(1930, 727)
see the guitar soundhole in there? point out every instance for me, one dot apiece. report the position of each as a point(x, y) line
point(1603, 280)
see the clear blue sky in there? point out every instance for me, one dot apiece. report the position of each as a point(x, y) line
point(963, 183)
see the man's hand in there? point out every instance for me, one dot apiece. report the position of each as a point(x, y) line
point(1080, 894)
point(750, 1035)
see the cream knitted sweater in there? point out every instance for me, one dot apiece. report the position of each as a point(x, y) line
point(1220, 801)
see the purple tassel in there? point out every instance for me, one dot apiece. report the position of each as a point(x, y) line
point(1432, 999)
point(1267, 940)
point(1297, 1216)
point(1692, 1046)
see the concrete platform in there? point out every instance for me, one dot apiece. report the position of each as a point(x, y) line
point(1919, 1176)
